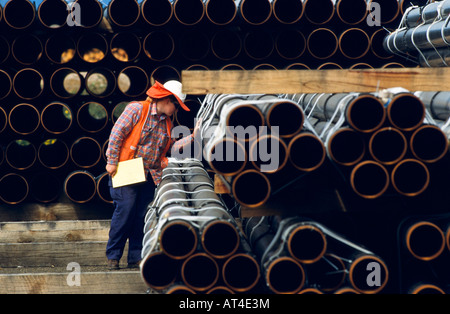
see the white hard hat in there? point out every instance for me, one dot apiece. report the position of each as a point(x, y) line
point(175, 88)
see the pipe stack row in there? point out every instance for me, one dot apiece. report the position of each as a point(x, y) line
point(255, 143)
point(192, 244)
point(299, 255)
point(381, 143)
point(423, 35)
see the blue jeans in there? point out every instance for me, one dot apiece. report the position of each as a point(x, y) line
point(130, 206)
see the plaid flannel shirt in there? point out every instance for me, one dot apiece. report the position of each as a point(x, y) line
point(153, 139)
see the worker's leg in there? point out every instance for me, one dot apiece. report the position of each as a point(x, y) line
point(145, 196)
point(124, 200)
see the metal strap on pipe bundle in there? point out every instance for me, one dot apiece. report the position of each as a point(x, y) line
point(297, 253)
point(191, 239)
point(424, 34)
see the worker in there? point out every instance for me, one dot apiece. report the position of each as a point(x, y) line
point(148, 124)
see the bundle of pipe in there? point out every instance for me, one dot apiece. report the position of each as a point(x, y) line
point(190, 237)
point(424, 242)
point(377, 140)
point(423, 34)
point(250, 140)
point(298, 255)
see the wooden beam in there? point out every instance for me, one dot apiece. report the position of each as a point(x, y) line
point(313, 81)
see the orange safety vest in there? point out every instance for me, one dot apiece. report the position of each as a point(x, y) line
point(129, 145)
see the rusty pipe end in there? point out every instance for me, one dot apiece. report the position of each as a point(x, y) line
point(346, 147)
point(429, 143)
point(306, 152)
point(251, 188)
point(220, 238)
point(369, 179)
point(388, 145)
point(200, 272)
point(178, 239)
point(285, 275)
point(241, 272)
point(425, 240)
point(406, 111)
point(410, 177)
point(366, 113)
point(158, 270)
point(307, 244)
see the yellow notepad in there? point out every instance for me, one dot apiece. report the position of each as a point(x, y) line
point(129, 172)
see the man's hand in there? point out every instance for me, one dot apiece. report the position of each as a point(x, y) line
point(111, 169)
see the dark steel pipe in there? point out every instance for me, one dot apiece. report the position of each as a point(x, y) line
point(435, 58)
point(354, 43)
point(221, 12)
point(24, 119)
point(319, 12)
point(376, 44)
point(306, 243)
point(425, 240)
point(290, 44)
point(3, 120)
point(426, 289)
point(306, 152)
point(5, 49)
point(53, 13)
point(220, 238)
point(388, 145)
point(53, 153)
point(226, 156)
point(405, 111)
point(28, 83)
point(251, 188)
point(66, 83)
point(345, 147)
point(5, 85)
point(45, 187)
point(226, 44)
point(194, 45)
point(157, 12)
point(27, 49)
point(56, 118)
point(285, 275)
point(60, 48)
point(410, 177)
point(200, 272)
point(269, 153)
point(19, 14)
point(388, 11)
point(359, 270)
point(255, 12)
point(85, 152)
point(286, 115)
point(178, 237)
point(220, 290)
point(92, 117)
point(351, 12)
point(437, 103)
point(14, 188)
point(20, 154)
point(369, 179)
point(179, 289)
point(125, 46)
point(90, 13)
point(151, 273)
point(92, 47)
point(123, 13)
point(287, 11)
point(164, 73)
point(429, 143)
point(80, 186)
point(100, 82)
point(158, 45)
point(322, 43)
point(133, 81)
point(258, 44)
point(241, 272)
point(189, 12)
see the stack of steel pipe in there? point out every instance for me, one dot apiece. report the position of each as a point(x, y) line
point(191, 241)
point(377, 141)
point(423, 34)
point(299, 255)
point(251, 140)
